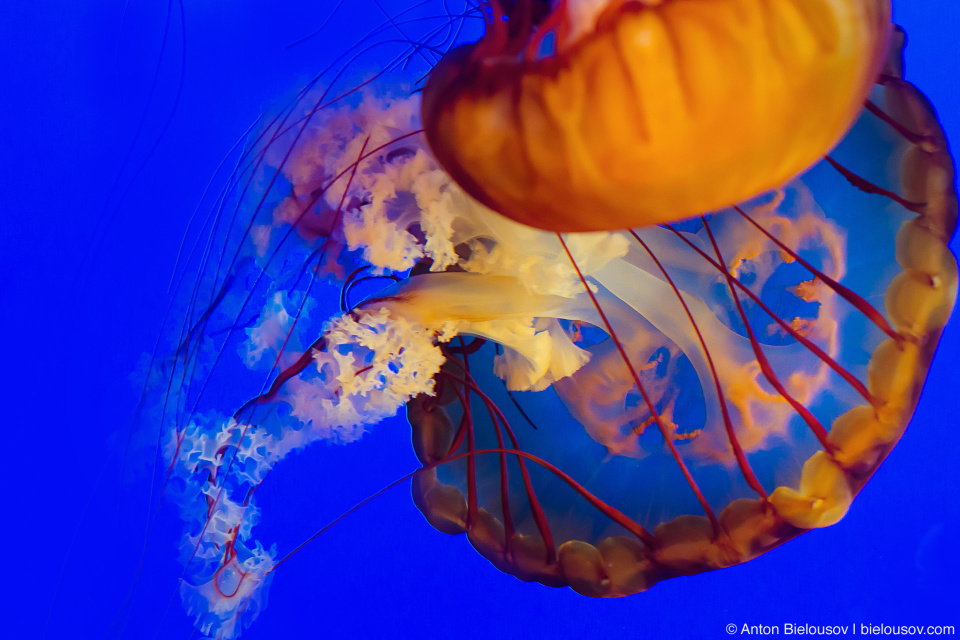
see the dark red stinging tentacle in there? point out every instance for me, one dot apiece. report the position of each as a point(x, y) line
point(307, 356)
point(868, 187)
point(742, 462)
point(467, 349)
point(508, 527)
point(540, 518)
point(908, 135)
point(601, 506)
point(858, 386)
point(471, 464)
point(858, 302)
point(768, 372)
point(617, 516)
point(646, 398)
point(504, 479)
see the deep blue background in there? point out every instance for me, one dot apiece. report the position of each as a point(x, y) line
point(90, 218)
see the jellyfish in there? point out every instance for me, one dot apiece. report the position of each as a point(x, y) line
point(645, 112)
point(598, 401)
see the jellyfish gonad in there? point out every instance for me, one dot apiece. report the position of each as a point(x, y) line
point(661, 282)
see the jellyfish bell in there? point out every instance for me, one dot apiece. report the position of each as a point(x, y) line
point(686, 381)
point(613, 114)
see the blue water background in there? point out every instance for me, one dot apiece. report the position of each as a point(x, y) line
point(97, 189)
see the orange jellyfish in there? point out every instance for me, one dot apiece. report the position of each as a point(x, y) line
point(623, 113)
point(661, 282)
